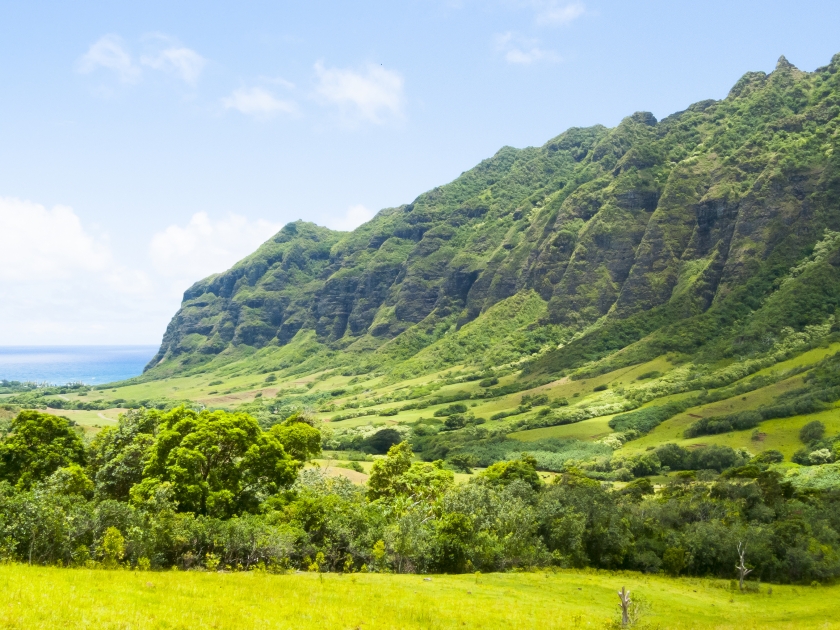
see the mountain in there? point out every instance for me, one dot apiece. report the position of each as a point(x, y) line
point(684, 233)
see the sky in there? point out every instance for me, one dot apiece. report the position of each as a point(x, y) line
point(144, 146)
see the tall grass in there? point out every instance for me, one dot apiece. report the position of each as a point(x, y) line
point(38, 597)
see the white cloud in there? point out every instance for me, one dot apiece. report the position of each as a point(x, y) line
point(554, 12)
point(203, 246)
point(374, 95)
point(258, 102)
point(61, 284)
point(350, 220)
point(178, 60)
point(37, 243)
point(522, 51)
point(108, 52)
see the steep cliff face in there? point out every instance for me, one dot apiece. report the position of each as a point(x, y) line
point(603, 225)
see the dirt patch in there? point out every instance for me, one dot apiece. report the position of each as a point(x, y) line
point(352, 475)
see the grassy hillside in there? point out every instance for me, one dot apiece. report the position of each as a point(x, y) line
point(49, 598)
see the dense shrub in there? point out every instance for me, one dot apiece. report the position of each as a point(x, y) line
point(723, 424)
point(646, 419)
point(812, 432)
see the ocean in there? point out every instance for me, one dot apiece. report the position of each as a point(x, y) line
point(60, 365)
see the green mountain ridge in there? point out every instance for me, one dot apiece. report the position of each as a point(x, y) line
point(680, 230)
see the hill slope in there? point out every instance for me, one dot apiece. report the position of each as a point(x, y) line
point(617, 231)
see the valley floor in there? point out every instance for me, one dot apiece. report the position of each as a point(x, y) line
point(38, 597)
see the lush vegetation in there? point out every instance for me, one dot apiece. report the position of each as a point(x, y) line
point(212, 491)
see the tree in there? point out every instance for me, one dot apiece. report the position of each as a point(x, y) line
point(395, 475)
point(453, 535)
point(743, 571)
point(624, 597)
point(463, 462)
point(672, 455)
point(385, 473)
point(39, 445)
point(218, 463)
point(70, 480)
point(503, 473)
point(299, 439)
point(113, 547)
point(118, 455)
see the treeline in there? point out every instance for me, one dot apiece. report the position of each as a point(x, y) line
point(210, 491)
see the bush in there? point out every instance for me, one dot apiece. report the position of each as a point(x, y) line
point(642, 464)
point(454, 422)
point(463, 462)
point(673, 456)
point(645, 420)
point(381, 441)
point(768, 457)
point(600, 388)
point(638, 488)
point(714, 457)
point(451, 410)
point(488, 382)
point(647, 375)
point(354, 466)
point(811, 432)
point(724, 424)
point(820, 456)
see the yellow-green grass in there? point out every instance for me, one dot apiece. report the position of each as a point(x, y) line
point(591, 429)
point(90, 421)
point(672, 429)
point(810, 357)
point(781, 434)
point(37, 597)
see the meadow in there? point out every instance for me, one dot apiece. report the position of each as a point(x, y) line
point(43, 597)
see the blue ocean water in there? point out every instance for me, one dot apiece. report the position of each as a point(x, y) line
point(59, 365)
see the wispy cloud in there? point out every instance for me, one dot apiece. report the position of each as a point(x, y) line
point(555, 12)
point(258, 102)
point(519, 50)
point(174, 58)
point(204, 245)
point(374, 94)
point(109, 53)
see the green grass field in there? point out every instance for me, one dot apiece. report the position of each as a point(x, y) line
point(37, 597)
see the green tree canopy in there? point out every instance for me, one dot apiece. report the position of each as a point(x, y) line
point(503, 473)
point(218, 463)
point(396, 475)
point(118, 455)
point(39, 444)
point(301, 440)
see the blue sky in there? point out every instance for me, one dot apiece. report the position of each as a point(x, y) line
point(146, 145)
